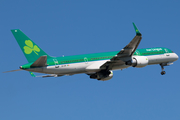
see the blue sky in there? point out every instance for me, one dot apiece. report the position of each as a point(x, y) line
point(81, 27)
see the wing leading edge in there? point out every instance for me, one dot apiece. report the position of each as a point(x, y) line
point(127, 51)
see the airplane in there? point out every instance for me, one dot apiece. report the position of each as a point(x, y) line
point(98, 66)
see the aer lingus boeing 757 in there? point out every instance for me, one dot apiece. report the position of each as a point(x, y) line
point(98, 66)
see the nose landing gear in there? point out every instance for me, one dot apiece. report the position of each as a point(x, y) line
point(163, 72)
point(162, 68)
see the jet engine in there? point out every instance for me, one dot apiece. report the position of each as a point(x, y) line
point(103, 75)
point(138, 61)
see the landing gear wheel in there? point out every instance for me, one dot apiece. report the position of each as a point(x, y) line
point(163, 72)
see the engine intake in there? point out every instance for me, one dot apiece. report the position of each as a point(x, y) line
point(103, 75)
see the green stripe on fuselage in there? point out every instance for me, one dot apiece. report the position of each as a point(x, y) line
point(100, 56)
point(152, 51)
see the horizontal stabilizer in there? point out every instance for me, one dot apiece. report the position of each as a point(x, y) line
point(32, 74)
point(40, 62)
point(12, 70)
point(50, 75)
point(44, 76)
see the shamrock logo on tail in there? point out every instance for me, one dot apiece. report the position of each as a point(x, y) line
point(30, 47)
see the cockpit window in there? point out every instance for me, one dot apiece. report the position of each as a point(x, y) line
point(172, 52)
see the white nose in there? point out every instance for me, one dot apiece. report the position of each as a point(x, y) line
point(176, 56)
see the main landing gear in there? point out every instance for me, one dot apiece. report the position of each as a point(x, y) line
point(162, 68)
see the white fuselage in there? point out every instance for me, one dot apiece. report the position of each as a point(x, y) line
point(83, 67)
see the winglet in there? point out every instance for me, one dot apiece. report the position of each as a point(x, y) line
point(137, 31)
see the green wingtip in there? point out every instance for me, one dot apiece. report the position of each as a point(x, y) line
point(32, 74)
point(137, 31)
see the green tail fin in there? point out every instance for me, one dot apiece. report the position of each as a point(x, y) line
point(31, 51)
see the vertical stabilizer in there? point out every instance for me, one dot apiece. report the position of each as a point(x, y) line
point(31, 51)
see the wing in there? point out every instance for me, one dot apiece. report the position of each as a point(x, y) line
point(127, 51)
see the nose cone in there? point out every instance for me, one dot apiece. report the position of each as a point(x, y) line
point(176, 56)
